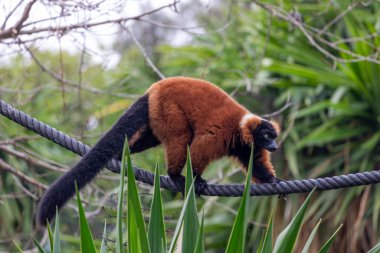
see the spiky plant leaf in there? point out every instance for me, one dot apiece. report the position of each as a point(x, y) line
point(286, 239)
point(236, 242)
point(199, 247)
point(38, 245)
point(190, 222)
point(86, 239)
point(135, 219)
point(119, 218)
point(57, 239)
point(327, 245)
point(268, 238)
point(103, 247)
point(311, 237)
point(180, 220)
point(156, 228)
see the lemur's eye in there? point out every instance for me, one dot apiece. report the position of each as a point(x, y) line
point(266, 136)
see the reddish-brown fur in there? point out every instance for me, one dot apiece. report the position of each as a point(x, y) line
point(186, 111)
point(175, 112)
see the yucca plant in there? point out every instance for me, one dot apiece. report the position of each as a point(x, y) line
point(139, 240)
point(336, 119)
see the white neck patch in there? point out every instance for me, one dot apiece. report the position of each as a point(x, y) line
point(245, 119)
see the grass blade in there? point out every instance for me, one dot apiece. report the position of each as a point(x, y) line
point(268, 238)
point(134, 242)
point(311, 237)
point(38, 245)
point(327, 245)
point(375, 249)
point(86, 239)
point(190, 222)
point(180, 220)
point(236, 243)
point(135, 220)
point(17, 247)
point(57, 239)
point(103, 247)
point(286, 239)
point(51, 237)
point(199, 247)
point(119, 218)
point(156, 228)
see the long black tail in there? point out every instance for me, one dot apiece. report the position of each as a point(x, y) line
point(108, 147)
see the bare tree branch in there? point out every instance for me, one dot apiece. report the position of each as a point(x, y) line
point(10, 14)
point(313, 35)
point(9, 33)
point(8, 168)
point(142, 50)
point(14, 30)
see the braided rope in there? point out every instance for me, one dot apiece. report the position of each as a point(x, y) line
point(230, 190)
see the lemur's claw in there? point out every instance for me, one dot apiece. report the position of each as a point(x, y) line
point(276, 181)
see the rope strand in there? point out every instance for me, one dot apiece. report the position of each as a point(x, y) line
point(227, 190)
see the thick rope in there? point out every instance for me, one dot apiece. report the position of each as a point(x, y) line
point(229, 190)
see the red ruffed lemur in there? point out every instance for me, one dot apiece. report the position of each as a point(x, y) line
point(176, 112)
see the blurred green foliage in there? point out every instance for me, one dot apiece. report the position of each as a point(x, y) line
point(260, 59)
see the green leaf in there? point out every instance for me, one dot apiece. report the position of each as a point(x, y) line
point(329, 78)
point(190, 222)
point(134, 242)
point(57, 240)
point(268, 239)
point(135, 222)
point(51, 237)
point(38, 245)
point(286, 239)
point(375, 249)
point(86, 240)
point(327, 245)
point(199, 247)
point(103, 247)
point(316, 107)
point(236, 242)
point(311, 237)
point(17, 247)
point(156, 228)
point(180, 220)
point(119, 218)
point(326, 133)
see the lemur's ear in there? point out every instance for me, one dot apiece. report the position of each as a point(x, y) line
point(246, 135)
point(276, 126)
point(248, 124)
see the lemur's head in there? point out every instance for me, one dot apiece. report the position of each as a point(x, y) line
point(259, 131)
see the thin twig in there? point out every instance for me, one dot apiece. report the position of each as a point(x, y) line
point(31, 160)
point(312, 38)
point(8, 168)
point(73, 84)
point(18, 139)
point(10, 14)
point(142, 50)
point(338, 17)
point(275, 113)
point(85, 25)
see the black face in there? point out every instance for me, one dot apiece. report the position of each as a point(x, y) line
point(264, 136)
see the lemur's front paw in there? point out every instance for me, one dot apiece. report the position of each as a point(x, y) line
point(272, 180)
point(277, 180)
point(200, 185)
